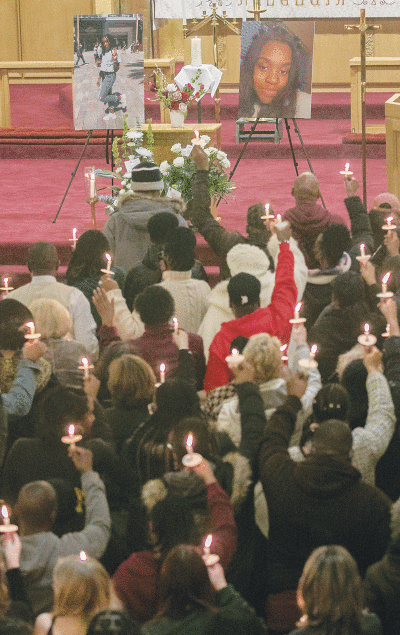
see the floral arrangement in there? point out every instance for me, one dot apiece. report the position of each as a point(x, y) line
point(172, 97)
point(178, 175)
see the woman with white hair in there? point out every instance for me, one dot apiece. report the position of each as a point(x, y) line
point(53, 322)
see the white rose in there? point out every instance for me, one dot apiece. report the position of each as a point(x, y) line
point(164, 167)
point(226, 163)
point(221, 155)
point(208, 151)
point(179, 162)
point(176, 148)
point(144, 152)
point(123, 183)
point(118, 170)
point(204, 138)
point(171, 88)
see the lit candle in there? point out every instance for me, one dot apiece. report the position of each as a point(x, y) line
point(362, 250)
point(31, 328)
point(85, 364)
point(196, 140)
point(4, 513)
point(195, 51)
point(389, 226)
point(313, 351)
point(207, 545)
point(5, 282)
point(71, 435)
point(162, 373)
point(82, 556)
point(385, 281)
point(297, 310)
point(284, 357)
point(74, 239)
point(346, 167)
point(279, 218)
point(367, 329)
point(189, 443)
point(92, 191)
point(266, 207)
point(176, 324)
point(109, 261)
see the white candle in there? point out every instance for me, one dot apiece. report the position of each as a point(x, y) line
point(362, 250)
point(176, 324)
point(92, 192)
point(279, 217)
point(297, 310)
point(82, 556)
point(85, 364)
point(367, 329)
point(189, 443)
point(195, 51)
point(109, 261)
point(31, 327)
point(313, 351)
point(266, 207)
point(183, 11)
point(207, 545)
point(385, 280)
point(4, 513)
point(346, 167)
point(162, 373)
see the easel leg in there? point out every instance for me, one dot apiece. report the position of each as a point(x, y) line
point(89, 134)
point(296, 165)
point(297, 131)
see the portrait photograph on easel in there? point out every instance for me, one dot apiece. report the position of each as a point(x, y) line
point(276, 69)
point(108, 71)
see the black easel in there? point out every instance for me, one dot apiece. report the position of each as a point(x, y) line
point(89, 134)
point(295, 163)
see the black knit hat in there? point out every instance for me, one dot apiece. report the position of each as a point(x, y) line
point(146, 176)
point(244, 289)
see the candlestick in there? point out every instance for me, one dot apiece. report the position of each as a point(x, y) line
point(109, 261)
point(176, 324)
point(196, 140)
point(6, 527)
point(6, 287)
point(72, 438)
point(74, 239)
point(195, 51)
point(31, 335)
point(191, 459)
point(162, 373)
point(367, 339)
point(309, 363)
point(363, 257)
point(234, 359)
point(346, 170)
point(385, 294)
point(297, 319)
point(209, 558)
point(86, 367)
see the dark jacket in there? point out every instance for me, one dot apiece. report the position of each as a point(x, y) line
point(319, 501)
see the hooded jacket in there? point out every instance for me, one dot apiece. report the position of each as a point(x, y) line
point(126, 229)
point(273, 319)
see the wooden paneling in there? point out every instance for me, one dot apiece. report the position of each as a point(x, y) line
point(9, 41)
point(47, 27)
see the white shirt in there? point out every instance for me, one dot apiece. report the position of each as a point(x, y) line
point(107, 62)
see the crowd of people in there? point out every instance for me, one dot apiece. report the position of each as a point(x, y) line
point(176, 459)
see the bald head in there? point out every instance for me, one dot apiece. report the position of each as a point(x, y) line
point(36, 507)
point(332, 437)
point(42, 259)
point(306, 188)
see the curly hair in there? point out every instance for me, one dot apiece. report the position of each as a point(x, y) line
point(263, 352)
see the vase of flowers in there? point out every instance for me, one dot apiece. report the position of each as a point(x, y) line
point(175, 100)
point(179, 174)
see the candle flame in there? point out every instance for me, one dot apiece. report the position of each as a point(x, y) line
point(162, 368)
point(279, 217)
point(266, 207)
point(84, 361)
point(386, 277)
point(283, 348)
point(362, 246)
point(30, 325)
point(366, 329)
point(346, 167)
point(4, 511)
point(108, 257)
point(389, 220)
point(298, 307)
point(5, 280)
point(82, 556)
point(314, 349)
point(196, 134)
point(175, 320)
point(208, 541)
point(189, 440)
point(74, 232)
point(71, 430)
point(234, 351)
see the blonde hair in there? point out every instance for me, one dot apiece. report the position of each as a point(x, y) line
point(262, 351)
point(51, 318)
point(330, 592)
point(82, 588)
point(131, 380)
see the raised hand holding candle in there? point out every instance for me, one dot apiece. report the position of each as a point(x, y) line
point(162, 373)
point(209, 558)
point(72, 438)
point(367, 339)
point(297, 319)
point(363, 257)
point(385, 294)
point(389, 225)
point(6, 527)
point(108, 271)
point(86, 367)
point(31, 335)
point(191, 459)
point(234, 359)
point(307, 364)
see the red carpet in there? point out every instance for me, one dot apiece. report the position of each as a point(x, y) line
point(38, 162)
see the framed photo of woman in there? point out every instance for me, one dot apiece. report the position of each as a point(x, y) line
point(276, 69)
